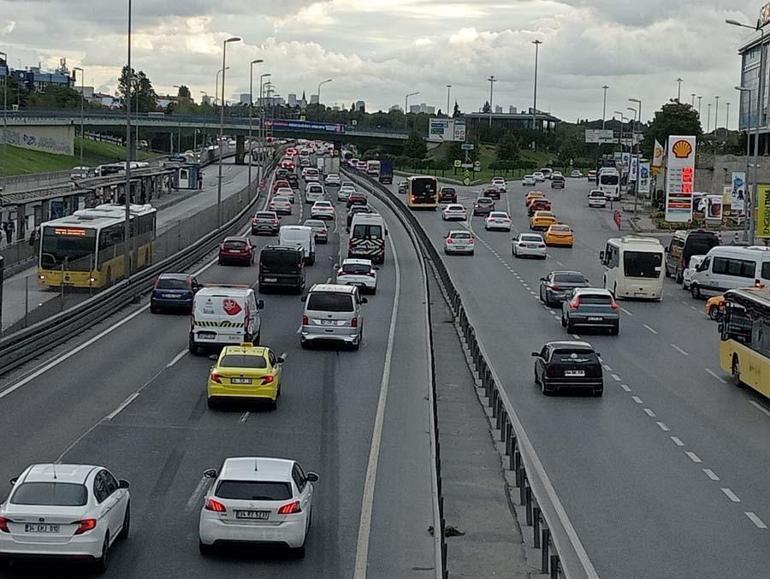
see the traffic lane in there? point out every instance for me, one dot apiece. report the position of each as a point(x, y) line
point(685, 494)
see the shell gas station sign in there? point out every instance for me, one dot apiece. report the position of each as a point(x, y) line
point(680, 178)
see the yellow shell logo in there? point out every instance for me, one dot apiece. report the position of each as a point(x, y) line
point(682, 149)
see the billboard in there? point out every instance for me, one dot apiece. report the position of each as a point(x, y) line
point(440, 130)
point(713, 212)
point(763, 211)
point(738, 191)
point(680, 178)
point(644, 177)
point(600, 136)
point(459, 130)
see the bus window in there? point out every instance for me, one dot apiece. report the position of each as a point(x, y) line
point(641, 264)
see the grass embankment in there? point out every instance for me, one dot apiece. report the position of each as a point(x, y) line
point(26, 161)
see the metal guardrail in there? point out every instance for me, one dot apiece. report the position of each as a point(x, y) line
point(562, 553)
point(27, 344)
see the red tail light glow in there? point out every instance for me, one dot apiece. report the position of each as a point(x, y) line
point(471, 241)
point(449, 240)
point(615, 305)
point(267, 380)
point(214, 505)
point(305, 321)
point(554, 287)
point(4, 525)
point(290, 508)
point(574, 303)
point(354, 323)
point(214, 377)
point(85, 525)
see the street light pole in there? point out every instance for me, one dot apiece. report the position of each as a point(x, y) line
point(716, 114)
point(622, 120)
point(222, 128)
point(604, 106)
point(700, 98)
point(708, 118)
point(406, 109)
point(82, 98)
point(749, 206)
point(638, 159)
point(448, 93)
point(692, 103)
point(537, 44)
point(492, 81)
point(679, 89)
point(5, 118)
point(127, 225)
point(727, 115)
point(320, 84)
point(251, 111)
point(262, 129)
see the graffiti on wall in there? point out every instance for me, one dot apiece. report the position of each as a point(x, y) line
point(56, 140)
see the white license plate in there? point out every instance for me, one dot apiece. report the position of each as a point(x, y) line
point(169, 296)
point(531, 246)
point(271, 279)
point(240, 380)
point(206, 335)
point(595, 319)
point(574, 373)
point(253, 515)
point(40, 528)
point(327, 322)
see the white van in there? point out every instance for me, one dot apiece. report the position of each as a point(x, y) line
point(608, 181)
point(367, 237)
point(729, 267)
point(224, 315)
point(300, 237)
point(633, 267)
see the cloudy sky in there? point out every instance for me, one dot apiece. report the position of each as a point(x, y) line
point(378, 50)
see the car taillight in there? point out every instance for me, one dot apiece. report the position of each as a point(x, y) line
point(305, 321)
point(267, 380)
point(370, 274)
point(354, 323)
point(85, 525)
point(471, 241)
point(574, 303)
point(290, 508)
point(214, 377)
point(4, 525)
point(214, 505)
point(554, 287)
point(615, 305)
point(449, 240)
point(253, 220)
point(340, 272)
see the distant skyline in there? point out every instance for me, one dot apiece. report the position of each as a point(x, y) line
point(380, 50)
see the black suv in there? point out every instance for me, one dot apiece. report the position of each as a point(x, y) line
point(568, 364)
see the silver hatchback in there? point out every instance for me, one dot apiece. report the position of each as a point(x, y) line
point(333, 313)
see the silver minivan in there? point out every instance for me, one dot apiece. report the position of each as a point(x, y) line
point(333, 313)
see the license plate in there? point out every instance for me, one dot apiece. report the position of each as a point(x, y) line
point(595, 319)
point(40, 528)
point(240, 380)
point(271, 279)
point(531, 246)
point(574, 373)
point(206, 335)
point(253, 515)
point(169, 296)
point(327, 322)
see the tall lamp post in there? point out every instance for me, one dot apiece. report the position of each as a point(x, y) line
point(716, 114)
point(406, 108)
point(448, 93)
point(262, 128)
point(622, 121)
point(636, 182)
point(320, 84)
point(492, 80)
point(537, 44)
point(760, 97)
point(82, 98)
point(679, 89)
point(692, 102)
point(727, 115)
point(700, 98)
point(749, 208)
point(127, 225)
point(222, 127)
point(604, 105)
point(5, 117)
point(251, 110)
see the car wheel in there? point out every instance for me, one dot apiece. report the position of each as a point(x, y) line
point(615, 330)
point(103, 562)
point(714, 313)
point(570, 327)
point(695, 291)
point(563, 321)
point(736, 371)
point(273, 404)
point(205, 549)
point(544, 388)
point(193, 347)
point(154, 309)
point(211, 402)
point(304, 343)
point(126, 527)
point(598, 392)
point(679, 277)
point(299, 552)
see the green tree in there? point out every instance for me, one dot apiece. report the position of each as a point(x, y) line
point(673, 118)
point(54, 97)
point(487, 108)
point(184, 93)
point(143, 96)
point(456, 112)
point(415, 146)
point(508, 148)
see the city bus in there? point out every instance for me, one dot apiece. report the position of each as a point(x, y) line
point(634, 267)
point(744, 347)
point(85, 249)
point(422, 192)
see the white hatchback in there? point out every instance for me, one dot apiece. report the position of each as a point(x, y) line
point(322, 210)
point(528, 180)
point(459, 242)
point(65, 510)
point(344, 192)
point(539, 176)
point(498, 220)
point(499, 182)
point(358, 272)
point(529, 245)
point(257, 500)
point(597, 198)
point(333, 179)
point(454, 211)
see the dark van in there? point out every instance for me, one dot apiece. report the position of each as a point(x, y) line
point(281, 268)
point(685, 244)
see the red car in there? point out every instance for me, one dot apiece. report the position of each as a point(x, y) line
point(280, 183)
point(236, 250)
point(288, 165)
point(357, 198)
point(447, 195)
point(538, 205)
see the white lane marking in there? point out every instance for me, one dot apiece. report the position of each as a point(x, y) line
point(616, 377)
point(756, 520)
point(731, 495)
point(693, 457)
point(607, 367)
point(626, 387)
point(649, 413)
point(625, 311)
point(693, 308)
point(663, 426)
point(650, 329)
point(367, 501)
point(576, 336)
point(637, 399)
point(680, 350)
point(560, 263)
point(717, 376)
point(122, 406)
point(178, 357)
point(196, 494)
point(677, 441)
point(531, 292)
point(244, 417)
point(711, 474)
point(328, 280)
point(760, 407)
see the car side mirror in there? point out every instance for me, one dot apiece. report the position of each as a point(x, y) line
point(543, 279)
point(376, 268)
point(260, 304)
point(281, 359)
point(303, 299)
point(13, 480)
point(210, 473)
point(364, 301)
point(213, 357)
point(311, 477)
point(123, 484)
point(535, 354)
point(601, 256)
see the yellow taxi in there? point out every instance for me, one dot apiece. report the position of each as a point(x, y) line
point(542, 220)
point(246, 372)
point(715, 307)
point(559, 234)
point(533, 195)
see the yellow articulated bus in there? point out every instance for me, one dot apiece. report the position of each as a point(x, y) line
point(422, 192)
point(744, 349)
point(85, 250)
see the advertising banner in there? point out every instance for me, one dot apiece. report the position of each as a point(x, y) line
point(680, 178)
point(634, 167)
point(727, 192)
point(657, 158)
point(713, 208)
point(738, 192)
point(459, 129)
point(763, 211)
point(600, 136)
point(644, 177)
point(625, 159)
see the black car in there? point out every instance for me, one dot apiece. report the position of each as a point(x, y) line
point(281, 267)
point(491, 192)
point(402, 187)
point(557, 286)
point(173, 291)
point(568, 364)
point(447, 195)
point(557, 182)
point(293, 180)
point(281, 173)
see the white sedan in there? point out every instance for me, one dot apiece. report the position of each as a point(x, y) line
point(333, 179)
point(459, 242)
point(287, 192)
point(454, 211)
point(498, 220)
point(358, 272)
point(528, 180)
point(499, 182)
point(539, 176)
point(281, 205)
point(344, 192)
point(322, 210)
point(529, 245)
point(257, 500)
point(65, 510)
point(597, 198)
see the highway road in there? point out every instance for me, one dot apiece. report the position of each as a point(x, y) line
point(129, 396)
point(666, 475)
point(21, 291)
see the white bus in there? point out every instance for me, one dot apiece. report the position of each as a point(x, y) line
point(634, 267)
point(608, 181)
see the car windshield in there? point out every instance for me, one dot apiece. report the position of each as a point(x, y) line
point(280, 260)
point(241, 490)
point(455, 207)
point(281, 199)
point(535, 238)
point(569, 278)
point(450, 190)
point(242, 361)
point(595, 299)
point(367, 231)
point(172, 283)
point(564, 356)
point(484, 201)
point(330, 302)
point(560, 228)
point(544, 214)
point(642, 264)
point(233, 244)
point(498, 215)
point(609, 179)
point(315, 224)
point(58, 494)
point(73, 246)
point(264, 215)
point(356, 268)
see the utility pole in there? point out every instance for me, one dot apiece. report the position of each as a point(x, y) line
point(604, 106)
point(700, 98)
point(251, 112)
point(537, 44)
point(679, 89)
point(692, 103)
point(448, 92)
point(127, 225)
point(492, 82)
point(222, 128)
point(727, 115)
point(716, 114)
point(82, 98)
